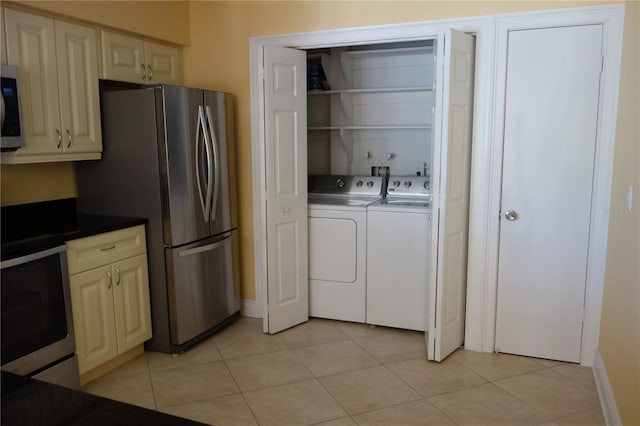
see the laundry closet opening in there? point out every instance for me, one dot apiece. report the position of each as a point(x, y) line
point(370, 112)
point(356, 169)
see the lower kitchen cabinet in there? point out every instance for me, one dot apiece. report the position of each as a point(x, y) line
point(110, 302)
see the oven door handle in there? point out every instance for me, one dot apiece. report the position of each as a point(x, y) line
point(33, 256)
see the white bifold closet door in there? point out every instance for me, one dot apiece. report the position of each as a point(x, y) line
point(453, 133)
point(551, 112)
point(285, 91)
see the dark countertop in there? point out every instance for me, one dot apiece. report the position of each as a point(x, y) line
point(39, 226)
point(29, 402)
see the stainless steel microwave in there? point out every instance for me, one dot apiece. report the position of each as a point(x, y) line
point(12, 134)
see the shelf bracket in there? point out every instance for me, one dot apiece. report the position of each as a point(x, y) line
point(346, 140)
point(346, 67)
point(346, 103)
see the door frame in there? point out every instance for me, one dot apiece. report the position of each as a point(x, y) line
point(480, 26)
point(486, 167)
point(484, 247)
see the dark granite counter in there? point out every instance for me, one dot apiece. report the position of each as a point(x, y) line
point(39, 226)
point(28, 402)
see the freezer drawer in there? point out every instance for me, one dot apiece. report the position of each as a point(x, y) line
point(201, 287)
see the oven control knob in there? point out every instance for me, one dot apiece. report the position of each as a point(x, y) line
point(396, 183)
point(340, 183)
point(407, 184)
point(359, 184)
point(369, 184)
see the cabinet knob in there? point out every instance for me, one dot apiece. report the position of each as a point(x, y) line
point(511, 215)
point(117, 272)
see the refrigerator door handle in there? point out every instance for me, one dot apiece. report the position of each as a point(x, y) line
point(205, 201)
point(208, 247)
point(216, 164)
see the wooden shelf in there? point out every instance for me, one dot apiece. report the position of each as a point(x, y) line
point(407, 127)
point(378, 90)
point(388, 52)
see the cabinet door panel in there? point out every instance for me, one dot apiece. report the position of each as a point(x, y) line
point(3, 42)
point(31, 46)
point(77, 53)
point(122, 58)
point(131, 302)
point(93, 317)
point(164, 63)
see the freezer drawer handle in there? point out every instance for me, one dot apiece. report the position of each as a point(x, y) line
point(208, 247)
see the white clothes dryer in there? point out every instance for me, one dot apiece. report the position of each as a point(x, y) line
point(338, 243)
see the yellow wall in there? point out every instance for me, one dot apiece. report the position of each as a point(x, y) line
point(29, 183)
point(620, 326)
point(218, 58)
point(164, 20)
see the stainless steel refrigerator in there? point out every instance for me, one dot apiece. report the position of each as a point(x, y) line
point(168, 156)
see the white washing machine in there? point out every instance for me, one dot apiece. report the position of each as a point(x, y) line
point(399, 254)
point(338, 244)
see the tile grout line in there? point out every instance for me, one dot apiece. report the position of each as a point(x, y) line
point(244, 398)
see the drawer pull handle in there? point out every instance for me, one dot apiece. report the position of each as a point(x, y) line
point(118, 272)
point(108, 248)
point(110, 280)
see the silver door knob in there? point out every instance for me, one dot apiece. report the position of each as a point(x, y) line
point(510, 215)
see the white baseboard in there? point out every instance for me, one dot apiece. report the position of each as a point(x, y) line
point(605, 392)
point(250, 309)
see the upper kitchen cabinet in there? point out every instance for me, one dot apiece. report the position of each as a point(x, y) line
point(58, 63)
point(134, 60)
point(3, 45)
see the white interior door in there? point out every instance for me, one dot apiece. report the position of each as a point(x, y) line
point(450, 180)
point(285, 92)
point(551, 112)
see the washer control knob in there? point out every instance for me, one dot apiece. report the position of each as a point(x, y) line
point(359, 184)
point(407, 184)
point(340, 183)
point(396, 183)
point(369, 184)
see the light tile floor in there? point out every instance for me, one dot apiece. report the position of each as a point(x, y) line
point(336, 373)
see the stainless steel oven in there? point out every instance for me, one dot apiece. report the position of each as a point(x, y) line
point(37, 324)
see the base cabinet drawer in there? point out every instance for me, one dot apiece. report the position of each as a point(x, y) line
point(90, 252)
